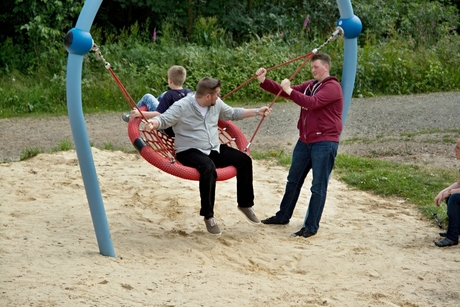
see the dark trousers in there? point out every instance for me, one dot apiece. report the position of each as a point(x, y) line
point(453, 212)
point(206, 166)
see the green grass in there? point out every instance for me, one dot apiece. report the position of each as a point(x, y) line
point(30, 152)
point(64, 145)
point(109, 146)
point(278, 157)
point(416, 185)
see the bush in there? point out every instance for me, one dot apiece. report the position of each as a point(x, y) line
point(387, 68)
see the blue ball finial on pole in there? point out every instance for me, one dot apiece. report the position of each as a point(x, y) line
point(78, 41)
point(352, 27)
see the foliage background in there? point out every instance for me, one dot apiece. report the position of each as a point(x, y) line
point(405, 47)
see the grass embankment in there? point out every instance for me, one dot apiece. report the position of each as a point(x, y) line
point(416, 185)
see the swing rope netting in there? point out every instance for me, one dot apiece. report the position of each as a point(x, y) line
point(157, 148)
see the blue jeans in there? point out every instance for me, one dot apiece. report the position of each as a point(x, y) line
point(149, 101)
point(318, 157)
point(453, 212)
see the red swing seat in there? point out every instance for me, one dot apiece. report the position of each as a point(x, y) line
point(157, 148)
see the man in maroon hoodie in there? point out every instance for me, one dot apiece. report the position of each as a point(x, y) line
point(320, 126)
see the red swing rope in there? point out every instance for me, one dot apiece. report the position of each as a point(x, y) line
point(276, 97)
point(268, 69)
point(338, 32)
point(159, 141)
point(133, 105)
point(162, 146)
point(158, 135)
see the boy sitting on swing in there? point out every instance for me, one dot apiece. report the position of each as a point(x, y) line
point(176, 79)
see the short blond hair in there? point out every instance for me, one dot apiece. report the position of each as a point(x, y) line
point(177, 74)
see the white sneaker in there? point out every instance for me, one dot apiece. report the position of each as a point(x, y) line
point(212, 227)
point(250, 214)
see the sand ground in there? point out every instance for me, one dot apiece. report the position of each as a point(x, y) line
point(369, 251)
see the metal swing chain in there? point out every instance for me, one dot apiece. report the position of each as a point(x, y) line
point(99, 55)
point(107, 65)
point(337, 33)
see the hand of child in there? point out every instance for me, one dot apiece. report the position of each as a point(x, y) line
point(135, 113)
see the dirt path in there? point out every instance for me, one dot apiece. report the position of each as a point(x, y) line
point(389, 127)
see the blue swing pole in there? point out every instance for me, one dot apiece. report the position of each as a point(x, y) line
point(78, 42)
point(352, 27)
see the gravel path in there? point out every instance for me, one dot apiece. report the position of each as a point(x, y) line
point(418, 129)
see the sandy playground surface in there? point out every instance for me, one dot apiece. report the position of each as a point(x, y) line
point(369, 251)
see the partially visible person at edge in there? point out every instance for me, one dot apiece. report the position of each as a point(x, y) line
point(176, 79)
point(452, 196)
point(194, 119)
point(320, 126)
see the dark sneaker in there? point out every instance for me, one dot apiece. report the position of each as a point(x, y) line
point(274, 221)
point(250, 214)
point(212, 227)
point(303, 233)
point(125, 117)
point(445, 242)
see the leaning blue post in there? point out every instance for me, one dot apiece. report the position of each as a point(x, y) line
point(78, 42)
point(352, 27)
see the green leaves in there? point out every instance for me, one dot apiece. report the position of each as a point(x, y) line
point(393, 58)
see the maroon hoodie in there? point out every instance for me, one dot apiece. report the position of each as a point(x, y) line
point(321, 108)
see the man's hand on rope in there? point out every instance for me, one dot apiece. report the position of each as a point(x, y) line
point(152, 124)
point(264, 111)
point(286, 85)
point(261, 72)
